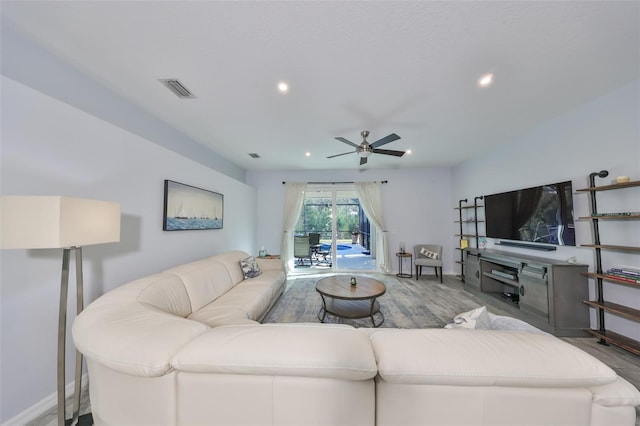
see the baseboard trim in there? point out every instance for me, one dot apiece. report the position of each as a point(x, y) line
point(48, 403)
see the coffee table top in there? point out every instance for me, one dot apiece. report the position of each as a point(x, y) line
point(339, 287)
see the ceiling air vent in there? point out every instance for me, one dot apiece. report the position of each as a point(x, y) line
point(253, 155)
point(177, 88)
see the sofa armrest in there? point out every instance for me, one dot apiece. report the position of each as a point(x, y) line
point(270, 264)
point(131, 338)
point(302, 350)
point(616, 394)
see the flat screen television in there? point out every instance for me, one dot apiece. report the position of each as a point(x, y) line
point(541, 214)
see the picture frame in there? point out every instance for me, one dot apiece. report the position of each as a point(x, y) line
point(188, 208)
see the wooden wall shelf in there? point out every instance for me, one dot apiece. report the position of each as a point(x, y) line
point(464, 233)
point(601, 305)
point(612, 279)
point(618, 340)
point(610, 187)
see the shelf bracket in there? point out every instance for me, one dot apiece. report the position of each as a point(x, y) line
point(596, 239)
point(464, 200)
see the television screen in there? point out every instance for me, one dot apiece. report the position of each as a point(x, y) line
point(542, 214)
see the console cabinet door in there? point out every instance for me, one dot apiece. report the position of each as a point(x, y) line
point(472, 275)
point(534, 294)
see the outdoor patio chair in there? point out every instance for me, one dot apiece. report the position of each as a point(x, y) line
point(301, 250)
point(314, 245)
point(324, 256)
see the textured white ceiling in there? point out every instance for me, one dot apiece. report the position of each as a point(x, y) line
point(409, 67)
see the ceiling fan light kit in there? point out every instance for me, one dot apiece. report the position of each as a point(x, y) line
point(365, 149)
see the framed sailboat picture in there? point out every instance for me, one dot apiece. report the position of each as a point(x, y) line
point(189, 208)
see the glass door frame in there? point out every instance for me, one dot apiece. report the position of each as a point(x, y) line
point(333, 193)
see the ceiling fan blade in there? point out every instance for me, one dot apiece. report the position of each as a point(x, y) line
point(363, 160)
point(389, 152)
point(341, 139)
point(392, 137)
point(338, 155)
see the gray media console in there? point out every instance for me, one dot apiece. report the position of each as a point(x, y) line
point(547, 293)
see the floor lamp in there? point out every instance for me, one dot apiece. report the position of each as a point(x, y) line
point(46, 222)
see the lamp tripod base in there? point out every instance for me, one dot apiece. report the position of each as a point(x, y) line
point(76, 419)
point(83, 420)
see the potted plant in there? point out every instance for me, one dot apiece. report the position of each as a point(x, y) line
point(354, 236)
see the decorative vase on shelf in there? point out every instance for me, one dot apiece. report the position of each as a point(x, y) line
point(482, 242)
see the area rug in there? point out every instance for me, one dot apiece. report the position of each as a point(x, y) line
point(403, 305)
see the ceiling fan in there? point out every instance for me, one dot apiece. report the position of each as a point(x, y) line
point(365, 149)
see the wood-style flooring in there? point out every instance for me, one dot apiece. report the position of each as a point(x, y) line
point(448, 299)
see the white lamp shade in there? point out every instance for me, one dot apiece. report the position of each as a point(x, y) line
point(37, 222)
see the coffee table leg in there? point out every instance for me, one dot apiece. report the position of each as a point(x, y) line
point(323, 309)
point(373, 301)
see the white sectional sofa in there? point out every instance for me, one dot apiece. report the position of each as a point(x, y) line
point(185, 347)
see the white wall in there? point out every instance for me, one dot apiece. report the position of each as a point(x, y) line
point(52, 148)
point(26, 61)
point(603, 134)
point(418, 207)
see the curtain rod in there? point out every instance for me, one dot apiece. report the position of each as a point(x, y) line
point(333, 183)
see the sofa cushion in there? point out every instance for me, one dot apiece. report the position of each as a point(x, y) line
point(205, 281)
point(252, 296)
point(131, 338)
point(231, 261)
point(274, 279)
point(216, 314)
point(250, 267)
point(299, 350)
point(484, 358)
point(167, 293)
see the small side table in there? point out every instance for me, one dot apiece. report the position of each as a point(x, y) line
point(401, 257)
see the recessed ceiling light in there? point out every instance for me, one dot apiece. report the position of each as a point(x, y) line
point(485, 80)
point(308, 154)
point(283, 87)
point(408, 152)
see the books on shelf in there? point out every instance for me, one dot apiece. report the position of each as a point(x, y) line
point(631, 275)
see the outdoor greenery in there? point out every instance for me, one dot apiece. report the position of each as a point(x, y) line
point(316, 217)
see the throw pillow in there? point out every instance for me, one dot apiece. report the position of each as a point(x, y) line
point(250, 267)
point(428, 253)
point(476, 319)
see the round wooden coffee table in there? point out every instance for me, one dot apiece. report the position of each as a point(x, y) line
point(342, 299)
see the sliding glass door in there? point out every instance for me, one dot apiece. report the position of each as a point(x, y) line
point(345, 233)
